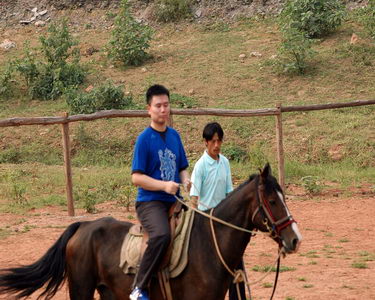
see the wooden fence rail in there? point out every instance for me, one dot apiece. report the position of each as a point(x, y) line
point(65, 120)
point(183, 112)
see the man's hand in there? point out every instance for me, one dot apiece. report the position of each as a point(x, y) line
point(171, 187)
point(187, 185)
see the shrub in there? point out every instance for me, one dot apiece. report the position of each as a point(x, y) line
point(182, 101)
point(311, 184)
point(106, 96)
point(172, 10)
point(367, 18)
point(234, 152)
point(6, 82)
point(60, 69)
point(315, 18)
point(130, 39)
point(294, 53)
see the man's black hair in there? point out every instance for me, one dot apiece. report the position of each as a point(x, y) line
point(210, 129)
point(156, 90)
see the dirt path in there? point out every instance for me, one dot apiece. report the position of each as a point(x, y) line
point(338, 243)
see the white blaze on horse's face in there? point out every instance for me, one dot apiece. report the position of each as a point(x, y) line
point(294, 224)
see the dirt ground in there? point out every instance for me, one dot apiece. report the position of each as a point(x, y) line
point(335, 261)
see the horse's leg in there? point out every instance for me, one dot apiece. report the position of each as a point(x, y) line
point(120, 286)
point(106, 294)
point(81, 273)
point(81, 285)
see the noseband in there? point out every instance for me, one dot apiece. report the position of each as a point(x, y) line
point(274, 226)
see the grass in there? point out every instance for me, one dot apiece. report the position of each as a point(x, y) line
point(359, 265)
point(48, 187)
point(205, 56)
point(310, 254)
point(344, 240)
point(267, 268)
point(4, 233)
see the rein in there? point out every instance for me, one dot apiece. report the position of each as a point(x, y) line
point(274, 231)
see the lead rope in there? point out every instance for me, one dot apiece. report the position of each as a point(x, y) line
point(240, 275)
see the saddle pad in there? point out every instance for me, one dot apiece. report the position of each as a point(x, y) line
point(131, 247)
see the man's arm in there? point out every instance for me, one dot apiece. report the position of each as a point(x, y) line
point(148, 183)
point(185, 180)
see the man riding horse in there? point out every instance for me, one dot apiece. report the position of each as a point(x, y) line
point(159, 165)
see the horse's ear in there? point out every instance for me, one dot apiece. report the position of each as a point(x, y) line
point(265, 172)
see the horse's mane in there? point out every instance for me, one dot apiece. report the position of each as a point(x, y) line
point(271, 184)
point(237, 189)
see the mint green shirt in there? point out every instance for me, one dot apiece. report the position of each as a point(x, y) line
point(211, 180)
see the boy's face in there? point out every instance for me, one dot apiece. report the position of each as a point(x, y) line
point(213, 146)
point(159, 109)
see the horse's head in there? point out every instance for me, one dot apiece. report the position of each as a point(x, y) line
point(272, 215)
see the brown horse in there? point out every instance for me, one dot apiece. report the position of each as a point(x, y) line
point(87, 253)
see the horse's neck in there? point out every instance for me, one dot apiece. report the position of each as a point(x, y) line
point(235, 210)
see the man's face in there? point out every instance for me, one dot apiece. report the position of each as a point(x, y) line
point(213, 146)
point(159, 109)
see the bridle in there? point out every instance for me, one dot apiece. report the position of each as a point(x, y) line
point(273, 226)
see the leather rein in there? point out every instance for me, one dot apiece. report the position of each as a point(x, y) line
point(274, 228)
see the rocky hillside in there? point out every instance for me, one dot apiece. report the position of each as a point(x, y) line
point(27, 11)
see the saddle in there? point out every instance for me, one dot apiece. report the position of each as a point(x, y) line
point(176, 257)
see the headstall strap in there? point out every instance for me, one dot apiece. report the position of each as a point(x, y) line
point(276, 226)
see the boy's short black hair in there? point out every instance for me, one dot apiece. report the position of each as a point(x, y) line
point(156, 90)
point(210, 129)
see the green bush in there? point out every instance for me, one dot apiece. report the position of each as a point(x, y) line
point(367, 18)
point(315, 18)
point(130, 39)
point(311, 184)
point(234, 152)
point(6, 82)
point(182, 101)
point(104, 97)
point(60, 69)
point(172, 10)
point(294, 53)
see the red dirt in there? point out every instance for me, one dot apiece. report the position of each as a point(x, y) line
point(337, 232)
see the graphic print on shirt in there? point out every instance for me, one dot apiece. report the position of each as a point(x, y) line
point(167, 164)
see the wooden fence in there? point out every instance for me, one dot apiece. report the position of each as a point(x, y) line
point(277, 112)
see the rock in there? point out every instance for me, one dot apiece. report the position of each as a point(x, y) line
point(25, 22)
point(198, 13)
point(40, 23)
point(89, 88)
point(144, 69)
point(242, 56)
point(43, 12)
point(354, 39)
point(191, 92)
point(7, 44)
point(90, 51)
point(255, 54)
point(336, 152)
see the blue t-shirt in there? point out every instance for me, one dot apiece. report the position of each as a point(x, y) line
point(161, 156)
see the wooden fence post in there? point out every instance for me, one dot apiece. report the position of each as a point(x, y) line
point(67, 166)
point(280, 147)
